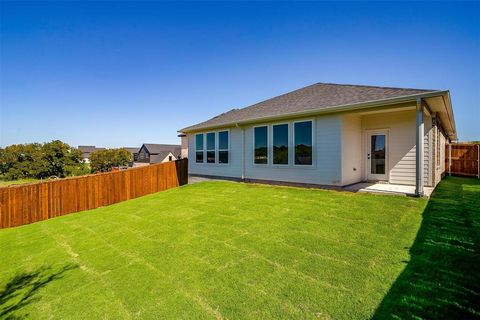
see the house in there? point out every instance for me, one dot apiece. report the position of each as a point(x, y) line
point(158, 153)
point(133, 151)
point(329, 134)
point(86, 151)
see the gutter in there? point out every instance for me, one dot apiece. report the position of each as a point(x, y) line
point(339, 108)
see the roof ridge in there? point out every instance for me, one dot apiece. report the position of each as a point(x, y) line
point(372, 86)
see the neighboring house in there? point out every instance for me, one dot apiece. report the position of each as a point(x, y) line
point(158, 153)
point(86, 151)
point(329, 134)
point(133, 151)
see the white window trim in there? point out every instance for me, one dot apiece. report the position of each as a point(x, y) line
point(268, 146)
point(279, 165)
point(306, 166)
point(217, 145)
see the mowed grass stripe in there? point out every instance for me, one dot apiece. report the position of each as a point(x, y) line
point(216, 250)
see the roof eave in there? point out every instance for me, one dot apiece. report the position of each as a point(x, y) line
point(339, 108)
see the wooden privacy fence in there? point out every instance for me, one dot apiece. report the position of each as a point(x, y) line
point(23, 204)
point(462, 159)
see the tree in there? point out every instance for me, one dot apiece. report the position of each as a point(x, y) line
point(40, 161)
point(105, 160)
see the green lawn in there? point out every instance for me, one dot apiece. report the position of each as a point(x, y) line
point(229, 250)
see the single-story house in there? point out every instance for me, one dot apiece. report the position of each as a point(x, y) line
point(329, 134)
point(86, 151)
point(158, 153)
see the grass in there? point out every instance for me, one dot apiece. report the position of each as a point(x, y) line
point(4, 183)
point(232, 250)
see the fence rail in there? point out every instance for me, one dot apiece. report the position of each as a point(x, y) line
point(24, 204)
point(462, 159)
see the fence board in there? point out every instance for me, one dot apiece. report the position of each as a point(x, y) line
point(462, 159)
point(23, 204)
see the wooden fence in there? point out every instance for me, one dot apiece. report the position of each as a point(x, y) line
point(462, 159)
point(23, 204)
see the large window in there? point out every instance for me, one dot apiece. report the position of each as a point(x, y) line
point(280, 144)
point(303, 143)
point(199, 148)
point(211, 147)
point(223, 147)
point(261, 143)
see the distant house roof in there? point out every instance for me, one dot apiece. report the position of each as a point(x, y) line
point(132, 149)
point(154, 148)
point(157, 158)
point(316, 97)
point(86, 150)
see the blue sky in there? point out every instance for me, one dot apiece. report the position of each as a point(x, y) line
point(123, 73)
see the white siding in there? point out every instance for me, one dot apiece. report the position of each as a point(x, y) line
point(402, 136)
point(232, 169)
point(326, 167)
point(351, 149)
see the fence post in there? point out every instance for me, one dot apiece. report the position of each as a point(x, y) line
point(450, 159)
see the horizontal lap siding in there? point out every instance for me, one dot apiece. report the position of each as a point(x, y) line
point(327, 156)
point(402, 144)
point(232, 169)
point(23, 204)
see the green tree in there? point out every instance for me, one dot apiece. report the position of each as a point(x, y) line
point(105, 160)
point(39, 161)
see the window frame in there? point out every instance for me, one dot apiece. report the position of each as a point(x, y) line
point(210, 150)
point(280, 165)
point(202, 150)
point(268, 145)
point(218, 147)
point(307, 166)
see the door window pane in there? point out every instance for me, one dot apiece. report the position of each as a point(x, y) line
point(280, 144)
point(303, 143)
point(377, 154)
point(261, 140)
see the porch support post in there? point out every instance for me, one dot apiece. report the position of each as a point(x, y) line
point(419, 155)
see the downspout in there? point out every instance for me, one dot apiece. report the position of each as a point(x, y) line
point(243, 151)
point(419, 155)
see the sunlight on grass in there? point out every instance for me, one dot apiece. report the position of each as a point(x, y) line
point(216, 250)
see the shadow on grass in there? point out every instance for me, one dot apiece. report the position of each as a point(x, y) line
point(442, 279)
point(22, 288)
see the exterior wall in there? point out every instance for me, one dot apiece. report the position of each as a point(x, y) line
point(351, 149)
point(326, 168)
point(401, 126)
point(184, 145)
point(338, 151)
point(143, 155)
point(232, 169)
point(438, 150)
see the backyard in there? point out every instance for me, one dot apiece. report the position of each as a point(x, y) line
point(230, 250)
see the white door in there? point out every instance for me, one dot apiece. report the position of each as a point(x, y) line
point(377, 155)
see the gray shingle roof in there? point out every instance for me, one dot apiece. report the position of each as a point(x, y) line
point(319, 96)
point(154, 148)
point(132, 149)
